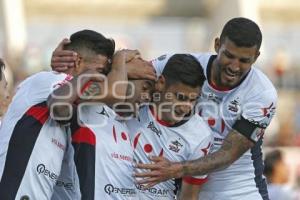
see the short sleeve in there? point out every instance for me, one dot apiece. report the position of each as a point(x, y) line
point(257, 114)
point(202, 150)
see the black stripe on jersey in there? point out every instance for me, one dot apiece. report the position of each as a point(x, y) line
point(85, 166)
point(257, 157)
point(245, 127)
point(85, 159)
point(20, 147)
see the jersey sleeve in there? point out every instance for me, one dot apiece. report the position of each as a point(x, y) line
point(256, 115)
point(160, 63)
point(200, 151)
point(40, 86)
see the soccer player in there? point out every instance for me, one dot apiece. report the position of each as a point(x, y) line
point(103, 152)
point(32, 145)
point(4, 93)
point(168, 127)
point(238, 102)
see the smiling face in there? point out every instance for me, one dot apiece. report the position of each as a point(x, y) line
point(176, 100)
point(232, 63)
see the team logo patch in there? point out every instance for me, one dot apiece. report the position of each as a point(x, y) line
point(154, 129)
point(175, 145)
point(234, 105)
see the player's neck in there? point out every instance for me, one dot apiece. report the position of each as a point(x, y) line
point(215, 79)
point(159, 115)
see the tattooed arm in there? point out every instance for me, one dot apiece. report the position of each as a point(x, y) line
point(234, 146)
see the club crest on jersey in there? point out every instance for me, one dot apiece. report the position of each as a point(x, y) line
point(154, 129)
point(175, 146)
point(234, 105)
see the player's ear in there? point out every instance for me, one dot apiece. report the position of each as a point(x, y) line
point(78, 62)
point(217, 44)
point(160, 83)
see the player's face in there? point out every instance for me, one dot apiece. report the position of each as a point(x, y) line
point(177, 100)
point(232, 62)
point(139, 91)
point(99, 63)
point(4, 94)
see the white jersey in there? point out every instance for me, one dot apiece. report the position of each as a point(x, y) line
point(248, 108)
point(187, 140)
point(103, 154)
point(32, 145)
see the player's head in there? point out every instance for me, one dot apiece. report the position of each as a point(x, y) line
point(139, 91)
point(94, 51)
point(237, 49)
point(177, 89)
point(275, 169)
point(4, 93)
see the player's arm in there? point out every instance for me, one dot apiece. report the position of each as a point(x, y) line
point(91, 86)
point(235, 145)
point(245, 133)
point(62, 60)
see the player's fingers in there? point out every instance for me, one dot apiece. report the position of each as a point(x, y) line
point(146, 180)
point(146, 166)
point(145, 174)
point(150, 185)
point(62, 64)
point(61, 69)
point(64, 53)
point(156, 158)
point(62, 43)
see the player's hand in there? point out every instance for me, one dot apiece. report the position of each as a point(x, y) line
point(126, 54)
point(140, 69)
point(160, 170)
point(62, 60)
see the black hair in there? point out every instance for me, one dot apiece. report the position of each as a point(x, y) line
point(243, 32)
point(2, 66)
point(88, 43)
point(270, 162)
point(184, 68)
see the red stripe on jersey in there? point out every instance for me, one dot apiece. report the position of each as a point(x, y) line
point(161, 152)
point(40, 113)
point(194, 181)
point(84, 135)
point(136, 139)
point(114, 134)
point(205, 150)
point(162, 122)
point(223, 126)
point(219, 88)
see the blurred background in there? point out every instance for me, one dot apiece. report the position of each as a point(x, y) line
point(31, 29)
